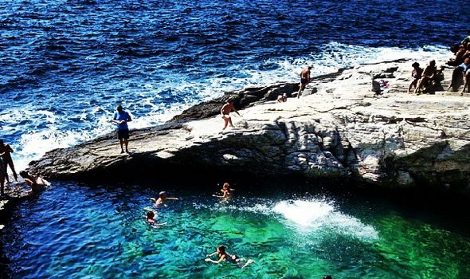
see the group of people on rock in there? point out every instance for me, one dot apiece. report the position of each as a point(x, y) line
point(430, 76)
point(6, 161)
point(425, 79)
point(461, 61)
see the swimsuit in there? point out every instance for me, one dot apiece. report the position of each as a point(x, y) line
point(304, 80)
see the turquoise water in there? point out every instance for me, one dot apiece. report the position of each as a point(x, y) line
point(78, 231)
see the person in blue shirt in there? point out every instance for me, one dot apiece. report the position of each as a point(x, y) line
point(121, 118)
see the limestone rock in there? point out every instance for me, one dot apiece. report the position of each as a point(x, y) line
point(340, 131)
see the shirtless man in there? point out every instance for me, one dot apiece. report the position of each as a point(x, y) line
point(428, 75)
point(304, 79)
point(161, 199)
point(5, 149)
point(225, 112)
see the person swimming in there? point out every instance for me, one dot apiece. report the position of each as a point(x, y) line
point(37, 183)
point(226, 191)
point(161, 199)
point(224, 256)
point(151, 218)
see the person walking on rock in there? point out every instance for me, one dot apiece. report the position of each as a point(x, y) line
point(225, 111)
point(6, 150)
point(304, 79)
point(121, 118)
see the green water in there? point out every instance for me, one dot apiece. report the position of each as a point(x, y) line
point(73, 231)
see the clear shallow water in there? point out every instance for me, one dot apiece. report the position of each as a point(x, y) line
point(66, 64)
point(74, 231)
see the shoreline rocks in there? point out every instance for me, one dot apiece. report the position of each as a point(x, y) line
point(338, 129)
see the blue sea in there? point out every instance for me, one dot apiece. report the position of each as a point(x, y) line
point(66, 64)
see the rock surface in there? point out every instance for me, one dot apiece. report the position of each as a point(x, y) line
point(338, 128)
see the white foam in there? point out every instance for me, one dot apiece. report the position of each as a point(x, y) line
point(315, 215)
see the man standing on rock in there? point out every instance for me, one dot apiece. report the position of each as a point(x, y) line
point(225, 111)
point(304, 79)
point(121, 118)
point(6, 151)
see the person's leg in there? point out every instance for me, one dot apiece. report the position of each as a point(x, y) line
point(225, 122)
point(453, 81)
point(465, 84)
point(230, 121)
point(126, 141)
point(12, 167)
point(413, 84)
point(121, 142)
point(302, 87)
point(2, 182)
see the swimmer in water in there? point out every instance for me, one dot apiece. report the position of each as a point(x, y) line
point(151, 219)
point(226, 191)
point(161, 199)
point(224, 256)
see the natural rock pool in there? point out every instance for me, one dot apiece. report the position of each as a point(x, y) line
point(80, 231)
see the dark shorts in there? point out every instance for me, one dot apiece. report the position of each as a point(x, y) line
point(304, 81)
point(123, 134)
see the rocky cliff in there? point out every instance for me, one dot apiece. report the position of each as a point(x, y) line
point(338, 128)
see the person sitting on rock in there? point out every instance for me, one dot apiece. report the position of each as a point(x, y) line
point(161, 199)
point(428, 76)
point(416, 74)
point(459, 71)
point(282, 98)
point(224, 256)
point(458, 56)
point(225, 112)
point(226, 192)
point(37, 183)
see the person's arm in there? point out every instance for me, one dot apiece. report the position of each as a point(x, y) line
point(128, 119)
point(172, 198)
point(222, 258)
point(235, 110)
point(115, 120)
point(8, 147)
point(28, 181)
point(210, 255)
point(222, 110)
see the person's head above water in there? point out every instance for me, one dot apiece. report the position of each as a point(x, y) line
point(162, 194)
point(150, 215)
point(415, 65)
point(119, 108)
point(221, 249)
point(226, 185)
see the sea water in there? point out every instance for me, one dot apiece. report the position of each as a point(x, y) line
point(65, 65)
point(100, 231)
